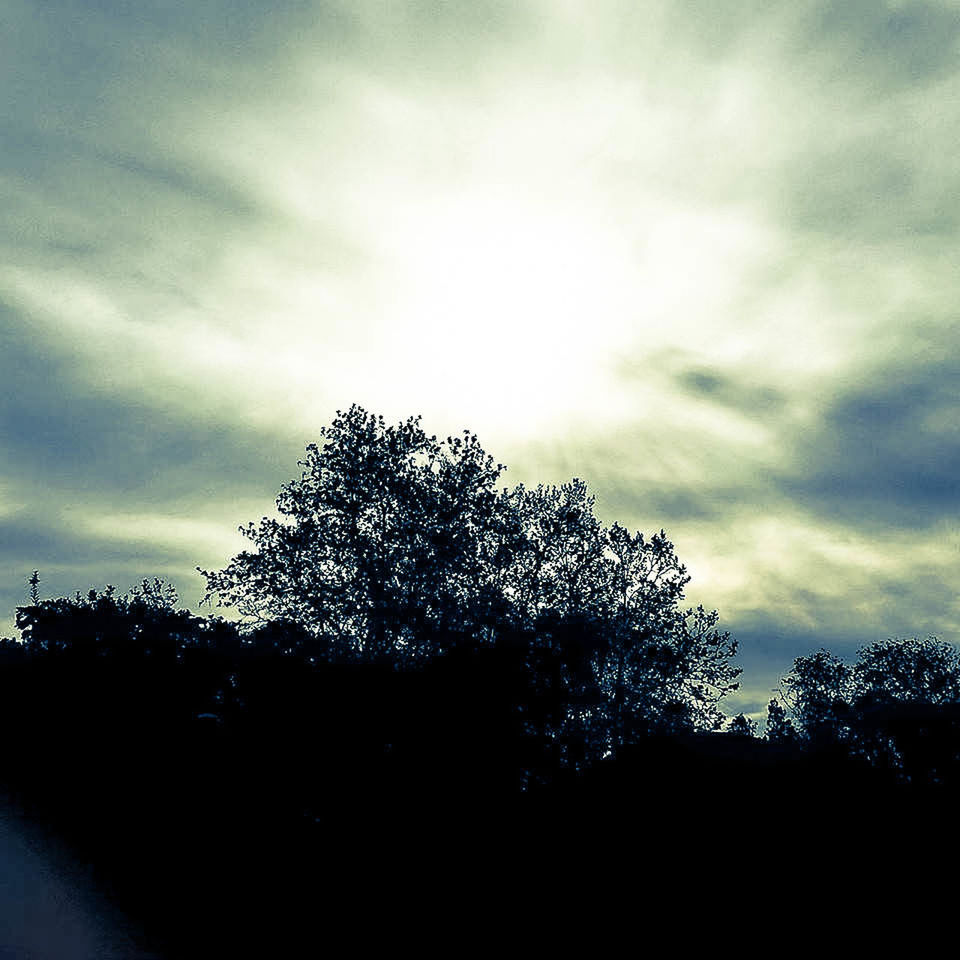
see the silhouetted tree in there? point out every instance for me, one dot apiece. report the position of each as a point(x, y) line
point(906, 671)
point(237, 787)
point(387, 541)
point(780, 727)
point(819, 691)
point(557, 564)
point(657, 666)
point(144, 622)
point(394, 546)
point(897, 706)
point(742, 726)
point(906, 703)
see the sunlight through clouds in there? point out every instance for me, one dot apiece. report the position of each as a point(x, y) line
point(697, 254)
point(503, 249)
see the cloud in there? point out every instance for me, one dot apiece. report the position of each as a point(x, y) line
point(53, 545)
point(64, 427)
point(886, 452)
point(696, 253)
point(897, 45)
point(807, 518)
point(101, 484)
point(71, 557)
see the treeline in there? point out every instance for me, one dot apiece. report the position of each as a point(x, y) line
point(239, 790)
point(897, 708)
point(443, 701)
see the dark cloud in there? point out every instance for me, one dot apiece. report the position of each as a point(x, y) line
point(739, 393)
point(884, 46)
point(46, 542)
point(61, 431)
point(889, 47)
point(714, 30)
point(95, 101)
point(872, 184)
point(666, 467)
point(884, 607)
point(881, 450)
point(871, 165)
point(885, 452)
point(76, 61)
point(192, 185)
point(76, 456)
point(626, 470)
point(834, 529)
point(767, 647)
point(679, 503)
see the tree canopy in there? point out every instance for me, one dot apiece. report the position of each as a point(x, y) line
point(897, 705)
point(418, 643)
point(394, 546)
point(387, 539)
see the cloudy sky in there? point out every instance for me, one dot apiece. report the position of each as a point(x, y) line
point(701, 253)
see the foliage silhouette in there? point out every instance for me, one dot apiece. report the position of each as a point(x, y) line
point(742, 726)
point(780, 727)
point(648, 665)
point(818, 689)
point(190, 761)
point(383, 544)
point(394, 547)
point(897, 706)
point(441, 688)
point(241, 793)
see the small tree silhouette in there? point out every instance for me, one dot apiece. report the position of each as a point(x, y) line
point(897, 706)
point(819, 690)
point(780, 727)
point(742, 726)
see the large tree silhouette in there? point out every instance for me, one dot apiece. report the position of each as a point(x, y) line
point(387, 542)
point(394, 546)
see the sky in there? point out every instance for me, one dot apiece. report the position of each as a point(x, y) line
point(699, 253)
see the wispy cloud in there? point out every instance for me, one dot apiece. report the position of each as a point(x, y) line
point(697, 253)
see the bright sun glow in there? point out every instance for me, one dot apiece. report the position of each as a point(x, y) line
point(502, 305)
point(499, 304)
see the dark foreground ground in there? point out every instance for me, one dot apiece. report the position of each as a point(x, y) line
point(49, 906)
point(348, 809)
